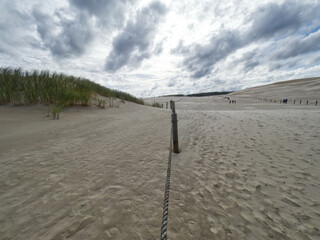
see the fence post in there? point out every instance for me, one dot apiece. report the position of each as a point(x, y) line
point(300, 101)
point(174, 119)
point(307, 102)
point(294, 102)
point(316, 102)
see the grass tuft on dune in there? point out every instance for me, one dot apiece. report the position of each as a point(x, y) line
point(32, 87)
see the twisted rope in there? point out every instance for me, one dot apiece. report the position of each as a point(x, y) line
point(166, 196)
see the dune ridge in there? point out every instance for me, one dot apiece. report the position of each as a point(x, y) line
point(305, 89)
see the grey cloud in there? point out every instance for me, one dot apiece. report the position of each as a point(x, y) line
point(155, 87)
point(74, 36)
point(134, 43)
point(272, 19)
point(108, 12)
point(219, 81)
point(144, 76)
point(275, 66)
point(298, 46)
point(77, 24)
point(180, 49)
point(283, 64)
point(268, 21)
point(250, 60)
point(250, 65)
point(158, 48)
point(172, 82)
point(316, 60)
point(15, 29)
point(202, 57)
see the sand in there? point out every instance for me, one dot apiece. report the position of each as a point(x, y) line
point(93, 174)
point(248, 170)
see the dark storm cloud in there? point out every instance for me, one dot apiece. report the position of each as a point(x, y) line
point(73, 38)
point(267, 22)
point(134, 43)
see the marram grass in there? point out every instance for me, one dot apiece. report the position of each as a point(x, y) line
point(23, 88)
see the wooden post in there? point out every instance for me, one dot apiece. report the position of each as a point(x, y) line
point(300, 101)
point(173, 107)
point(316, 102)
point(175, 138)
point(175, 133)
point(294, 102)
point(307, 102)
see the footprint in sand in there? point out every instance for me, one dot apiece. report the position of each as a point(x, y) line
point(112, 232)
point(214, 230)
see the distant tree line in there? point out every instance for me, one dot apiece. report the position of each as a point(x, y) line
point(199, 94)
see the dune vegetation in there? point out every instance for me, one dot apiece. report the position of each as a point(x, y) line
point(19, 87)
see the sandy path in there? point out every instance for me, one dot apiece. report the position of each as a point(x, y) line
point(94, 174)
point(246, 171)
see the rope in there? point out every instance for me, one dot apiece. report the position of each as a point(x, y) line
point(166, 196)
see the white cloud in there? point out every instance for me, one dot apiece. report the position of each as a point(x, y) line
point(194, 46)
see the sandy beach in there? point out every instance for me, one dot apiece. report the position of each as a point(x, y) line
point(248, 170)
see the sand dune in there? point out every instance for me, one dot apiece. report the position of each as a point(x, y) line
point(305, 89)
point(246, 171)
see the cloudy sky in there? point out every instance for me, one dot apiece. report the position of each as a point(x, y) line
point(152, 48)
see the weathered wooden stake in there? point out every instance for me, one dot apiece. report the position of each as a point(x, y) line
point(300, 101)
point(307, 102)
point(173, 107)
point(316, 102)
point(294, 102)
point(175, 133)
point(175, 138)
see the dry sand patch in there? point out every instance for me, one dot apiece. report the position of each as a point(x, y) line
point(245, 173)
point(93, 174)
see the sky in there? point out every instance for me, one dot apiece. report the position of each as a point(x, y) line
point(153, 48)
